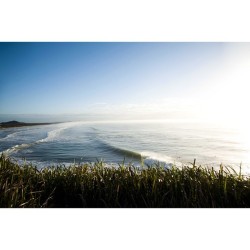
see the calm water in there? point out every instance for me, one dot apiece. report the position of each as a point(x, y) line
point(134, 141)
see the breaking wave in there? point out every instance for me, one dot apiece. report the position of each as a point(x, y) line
point(120, 151)
point(51, 136)
point(152, 157)
point(145, 156)
point(9, 136)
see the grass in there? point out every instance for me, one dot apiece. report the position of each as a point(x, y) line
point(123, 187)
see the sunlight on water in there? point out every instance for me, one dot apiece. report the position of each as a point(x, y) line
point(167, 142)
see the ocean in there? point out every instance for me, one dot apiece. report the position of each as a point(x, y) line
point(135, 142)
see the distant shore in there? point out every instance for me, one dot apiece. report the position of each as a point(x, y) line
point(12, 124)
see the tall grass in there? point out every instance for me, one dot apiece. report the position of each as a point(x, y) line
point(126, 186)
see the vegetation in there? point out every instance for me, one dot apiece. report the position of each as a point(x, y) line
point(126, 186)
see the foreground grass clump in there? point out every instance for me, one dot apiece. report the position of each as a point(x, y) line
point(126, 186)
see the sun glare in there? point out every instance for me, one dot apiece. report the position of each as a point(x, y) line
point(229, 92)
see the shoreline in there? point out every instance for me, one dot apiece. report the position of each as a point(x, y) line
point(15, 124)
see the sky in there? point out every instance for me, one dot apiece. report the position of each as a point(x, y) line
point(151, 80)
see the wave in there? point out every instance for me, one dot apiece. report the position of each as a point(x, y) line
point(110, 150)
point(157, 156)
point(146, 156)
point(152, 157)
point(51, 136)
point(120, 151)
point(126, 152)
point(9, 136)
point(16, 148)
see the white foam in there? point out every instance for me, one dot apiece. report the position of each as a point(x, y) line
point(152, 157)
point(16, 148)
point(53, 135)
point(9, 136)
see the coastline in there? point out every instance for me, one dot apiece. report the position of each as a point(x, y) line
point(14, 124)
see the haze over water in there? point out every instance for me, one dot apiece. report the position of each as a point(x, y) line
point(167, 102)
point(168, 142)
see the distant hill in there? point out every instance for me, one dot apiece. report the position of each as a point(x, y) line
point(11, 124)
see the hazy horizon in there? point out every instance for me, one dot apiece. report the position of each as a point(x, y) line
point(166, 101)
point(199, 81)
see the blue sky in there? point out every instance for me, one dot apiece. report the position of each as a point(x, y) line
point(78, 78)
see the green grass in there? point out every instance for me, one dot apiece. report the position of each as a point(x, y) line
point(125, 186)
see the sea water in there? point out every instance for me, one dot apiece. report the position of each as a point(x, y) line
point(135, 142)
